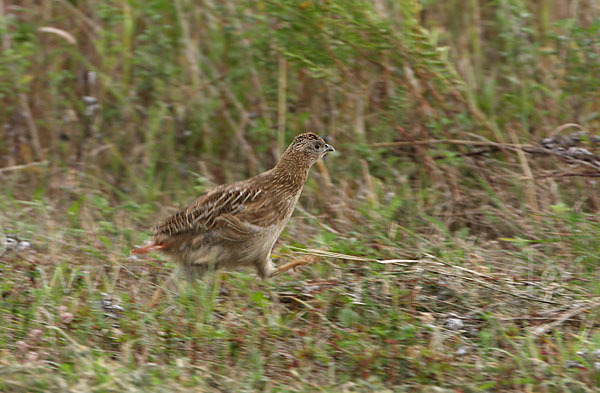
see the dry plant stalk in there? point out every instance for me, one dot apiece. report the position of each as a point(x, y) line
point(281, 102)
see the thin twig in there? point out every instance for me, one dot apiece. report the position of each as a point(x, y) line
point(571, 174)
point(519, 148)
point(447, 141)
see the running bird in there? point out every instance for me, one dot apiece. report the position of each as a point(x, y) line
point(237, 224)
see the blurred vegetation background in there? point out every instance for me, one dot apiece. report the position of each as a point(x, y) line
point(116, 113)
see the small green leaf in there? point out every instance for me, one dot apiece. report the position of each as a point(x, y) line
point(348, 317)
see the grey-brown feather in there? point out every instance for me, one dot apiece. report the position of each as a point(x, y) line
point(238, 224)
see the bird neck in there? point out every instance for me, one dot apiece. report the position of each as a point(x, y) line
point(292, 170)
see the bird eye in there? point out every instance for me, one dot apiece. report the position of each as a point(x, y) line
point(317, 145)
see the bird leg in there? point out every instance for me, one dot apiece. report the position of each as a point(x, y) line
point(169, 285)
point(292, 265)
point(155, 298)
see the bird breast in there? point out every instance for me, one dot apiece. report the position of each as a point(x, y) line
point(261, 246)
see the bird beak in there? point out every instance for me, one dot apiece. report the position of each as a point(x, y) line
point(329, 148)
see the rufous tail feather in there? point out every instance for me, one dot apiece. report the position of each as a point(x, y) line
point(148, 248)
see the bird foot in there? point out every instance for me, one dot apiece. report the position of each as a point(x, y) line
point(156, 297)
point(292, 265)
point(169, 286)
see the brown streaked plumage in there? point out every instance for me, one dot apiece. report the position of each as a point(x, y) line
point(237, 224)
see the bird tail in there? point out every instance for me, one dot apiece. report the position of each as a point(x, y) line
point(148, 248)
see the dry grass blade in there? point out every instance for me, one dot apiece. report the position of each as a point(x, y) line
point(61, 33)
point(323, 253)
point(566, 126)
point(281, 103)
point(24, 166)
point(567, 315)
point(443, 268)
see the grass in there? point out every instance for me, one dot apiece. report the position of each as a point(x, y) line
point(452, 251)
point(74, 310)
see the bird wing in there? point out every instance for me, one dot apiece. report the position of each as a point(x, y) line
point(227, 210)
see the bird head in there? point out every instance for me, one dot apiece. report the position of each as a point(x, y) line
point(309, 146)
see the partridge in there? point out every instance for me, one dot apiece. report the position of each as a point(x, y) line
point(237, 224)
